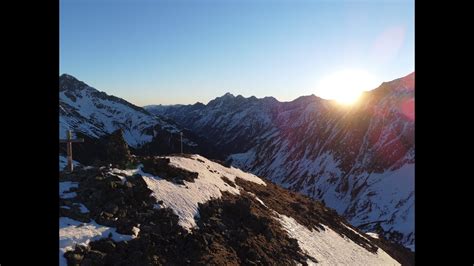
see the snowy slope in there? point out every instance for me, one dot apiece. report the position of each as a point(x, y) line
point(95, 114)
point(359, 159)
point(184, 200)
point(330, 248)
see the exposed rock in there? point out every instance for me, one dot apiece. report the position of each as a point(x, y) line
point(74, 258)
point(230, 183)
point(244, 232)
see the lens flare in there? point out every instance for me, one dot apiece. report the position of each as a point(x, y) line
point(346, 86)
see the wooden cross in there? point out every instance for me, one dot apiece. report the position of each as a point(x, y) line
point(69, 142)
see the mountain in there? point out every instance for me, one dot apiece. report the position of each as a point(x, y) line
point(358, 159)
point(188, 210)
point(233, 122)
point(94, 115)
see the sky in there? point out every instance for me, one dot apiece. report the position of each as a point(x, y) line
point(185, 51)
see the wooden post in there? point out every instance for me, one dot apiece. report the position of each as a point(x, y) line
point(70, 165)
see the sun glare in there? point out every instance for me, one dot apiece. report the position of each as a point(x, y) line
point(346, 86)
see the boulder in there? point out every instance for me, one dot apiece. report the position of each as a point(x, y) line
point(103, 245)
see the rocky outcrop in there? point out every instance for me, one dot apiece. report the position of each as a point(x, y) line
point(117, 152)
point(108, 149)
point(161, 167)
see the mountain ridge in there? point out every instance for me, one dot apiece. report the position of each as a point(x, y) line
point(340, 154)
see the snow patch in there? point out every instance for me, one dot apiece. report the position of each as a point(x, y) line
point(121, 174)
point(258, 199)
point(72, 233)
point(194, 165)
point(373, 235)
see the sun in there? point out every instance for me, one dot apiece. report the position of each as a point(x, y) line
point(346, 86)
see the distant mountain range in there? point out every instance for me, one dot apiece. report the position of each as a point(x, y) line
point(359, 160)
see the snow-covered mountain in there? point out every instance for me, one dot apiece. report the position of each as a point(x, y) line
point(359, 159)
point(234, 123)
point(188, 210)
point(94, 115)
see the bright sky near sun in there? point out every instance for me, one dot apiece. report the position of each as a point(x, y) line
point(181, 52)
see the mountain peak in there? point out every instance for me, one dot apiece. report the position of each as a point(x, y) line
point(306, 99)
point(67, 76)
point(224, 98)
point(69, 82)
point(228, 95)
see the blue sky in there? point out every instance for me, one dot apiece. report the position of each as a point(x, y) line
point(170, 52)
